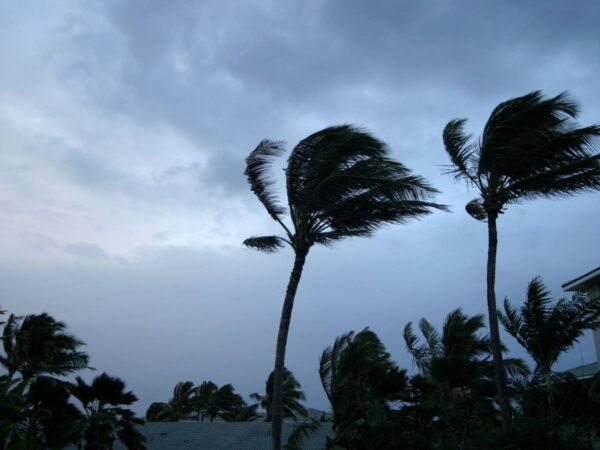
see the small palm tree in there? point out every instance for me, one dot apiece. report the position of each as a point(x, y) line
point(292, 396)
point(361, 382)
point(531, 147)
point(340, 183)
point(456, 375)
point(545, 330)
point(38, 344)
point(103, 403)
point(181, 404)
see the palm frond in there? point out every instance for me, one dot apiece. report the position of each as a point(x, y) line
point(301, 432)
point(460, 151)
point(258, 165)
point(268, 244)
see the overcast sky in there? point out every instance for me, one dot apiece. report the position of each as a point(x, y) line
point(123, 131)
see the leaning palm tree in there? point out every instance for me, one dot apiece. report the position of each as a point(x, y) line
point(531, 147)
point(38, 344)
point(104, 403)
point(340, 183)
point(292, 396)
point(546, 331)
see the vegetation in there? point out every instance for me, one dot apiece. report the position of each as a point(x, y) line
point(292, 396)
point(340, 183)
point(35, 407)
point(545, 330)
point(530, 147)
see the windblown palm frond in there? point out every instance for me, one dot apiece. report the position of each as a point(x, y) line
point(268, 244)
point(258, 165)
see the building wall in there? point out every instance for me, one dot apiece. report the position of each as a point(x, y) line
point(594, 292)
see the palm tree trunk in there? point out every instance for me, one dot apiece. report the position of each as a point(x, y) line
point(284, 326)
point(500, 375)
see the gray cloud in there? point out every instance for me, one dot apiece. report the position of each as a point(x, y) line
point(125, 127)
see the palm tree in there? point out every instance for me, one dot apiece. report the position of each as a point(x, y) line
point(456, 376)
point(180, 406)
point(103, 402)
point(361, 383)
point(546, 331)
point(340, 183)
point(292, 395)
point(38, 344)
point(531, 147)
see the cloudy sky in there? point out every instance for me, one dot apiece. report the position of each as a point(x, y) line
point(123, 131)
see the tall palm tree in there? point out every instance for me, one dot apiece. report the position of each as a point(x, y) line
point(292, 396)
point(361, 382)
point(181, 404)
point(545, 330)
point(38, 344)
point(104, 404)
point(531, 147)
point(340, 183)
point(204, 399)
point(456, 375)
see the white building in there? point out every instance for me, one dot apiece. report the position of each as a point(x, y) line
point(588, 283)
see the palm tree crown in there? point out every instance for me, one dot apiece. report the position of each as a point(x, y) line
point(292, 396)
point(39, 345)
point(340, 183)
point(531, 147)
point(546, 330)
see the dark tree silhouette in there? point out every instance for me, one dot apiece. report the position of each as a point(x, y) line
point(531, 147)
point(361, 382)
point(104, 404)
point(340, 183)
point(38, 344)
point(546, 331)
point(292, 396)
point(456, 376)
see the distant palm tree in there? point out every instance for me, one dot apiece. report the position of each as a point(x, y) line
point(530, 148)
point(204, 399)
point(292, 396)
point(456, 375)
point(361, 382)
point(38, 344)
point(158, 412)
point(546, 331)
point(180, 406)
point(340, 183)
point(104, 404)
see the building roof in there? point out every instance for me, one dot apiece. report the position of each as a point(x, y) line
point(579, 283)
point(222, 436)
point(585, 371)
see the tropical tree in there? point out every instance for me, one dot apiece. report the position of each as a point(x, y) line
point(531, 147)
point(362, 383)
point(456, 376)
point(547, 330)
point(340, 183)
point(158, 412)
point(106, 416)
point(38, 344)
point(292, 396)
point(204, 399)
point(36, 414)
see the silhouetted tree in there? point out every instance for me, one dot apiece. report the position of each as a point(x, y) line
point(340, 183)
point(530, 148)
point(105, 415)
point(292, 396)
point(38, 344)
point(361, 383)
point(546, 331)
